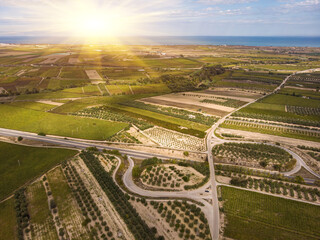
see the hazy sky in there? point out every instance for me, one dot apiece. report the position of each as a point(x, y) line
point(160, 17)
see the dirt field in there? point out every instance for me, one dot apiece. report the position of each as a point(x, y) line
point(51, 102)
point(73, 60)
point(51, 59)
point(142, 138)
point(93, 75)
point(192, 107)
point(12, 53)
point(242, 95)
point(266, 137)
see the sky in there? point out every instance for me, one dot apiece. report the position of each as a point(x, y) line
point(97, 18)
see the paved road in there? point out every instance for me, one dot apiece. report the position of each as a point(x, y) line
point(211, 211)
point(78, 144)
point(197, 195)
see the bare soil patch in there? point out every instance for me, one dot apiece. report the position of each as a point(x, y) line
point(93, 75)
point(73, 60)
point(183, 105)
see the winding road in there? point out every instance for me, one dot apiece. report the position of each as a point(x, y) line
point(211, 210)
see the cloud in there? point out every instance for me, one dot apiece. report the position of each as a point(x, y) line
point(222, 2)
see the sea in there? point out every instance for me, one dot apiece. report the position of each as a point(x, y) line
point(276, 41)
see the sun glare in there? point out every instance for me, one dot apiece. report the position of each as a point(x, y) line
point(96, 24)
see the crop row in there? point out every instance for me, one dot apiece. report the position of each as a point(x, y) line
point(174, 112)
point(109, 114)
point(21, 207)
point(276, 129)
point(136, 225)
point(277, 187)
point(185, 218)
point(225, 102)
point(177, 140)
point(303, 110)
point(252, 172)
point(248, 151)
point(86, 203)
point(277, 118)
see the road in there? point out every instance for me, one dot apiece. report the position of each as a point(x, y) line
point(211, 211)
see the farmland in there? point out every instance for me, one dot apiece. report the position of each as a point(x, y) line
point(159, 127)
point(271, 217)
point(20, 164)
point(36, 121)
point(257, 155)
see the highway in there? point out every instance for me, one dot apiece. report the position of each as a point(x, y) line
point(210, 210)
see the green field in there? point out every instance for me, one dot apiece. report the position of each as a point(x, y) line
point(165, 121)
point(256, 216)
point(20, 164)
point(55, 124)
point(290, 100)
point(51, 95)
point(33, 105)
point(8, 220)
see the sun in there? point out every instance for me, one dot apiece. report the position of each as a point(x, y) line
point(96, 24)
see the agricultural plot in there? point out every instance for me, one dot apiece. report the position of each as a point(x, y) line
point(33, 105)
point(100, 216)
point(174, 112)
point(171, 63)
point(41, 222)
point(108, 161)
point(69, 212)
point(21, 164)
point(307, 81)
point(120, 201)
point(73, 72)
point(190, 101)
point(171, 139)
point(51, 95)
point(122, 74)
point(170, 176)
point(279, 130)
point(45, 122)
point(253, 155)
point(303, 110)
point(251, 215)
point(93, 75)
point(118, 89)
point(225, 102)
point(112, 115)
point(174, 219)
point(8, 221)
point(231, 93)
point(267, 182)
point(123, 137)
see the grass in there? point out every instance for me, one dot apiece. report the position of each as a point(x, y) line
point(73, 72)
point(291, 100)
point(33, 105)
point(20, 164)
point(8, 220)
point(40, 215)
point(50, 95)
point(253, 215)
point(56, 124)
